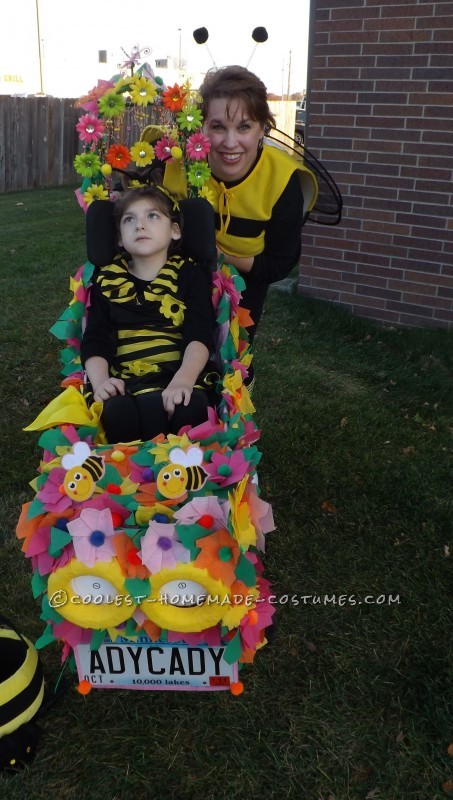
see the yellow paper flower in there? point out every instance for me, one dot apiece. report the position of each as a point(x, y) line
point(142, 153)
point(161, 450)
point(95, 192)
point(207, 194)
point(144, 514)
point(173, 309)
point(142, 91)
point(243, 529)
point(242, 601)
point(233, 385)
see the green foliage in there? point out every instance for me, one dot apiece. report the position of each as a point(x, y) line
point(350, 700)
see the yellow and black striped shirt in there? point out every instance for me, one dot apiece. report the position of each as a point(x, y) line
point(142, 327)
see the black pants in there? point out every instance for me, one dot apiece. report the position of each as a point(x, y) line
point(127, 417)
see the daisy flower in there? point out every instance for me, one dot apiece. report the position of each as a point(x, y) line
point(118, 156)
point(90, 128)
point(142, 153)
point(173, 309)
point(198, 174)
point(190, 119)
point(87, 164)
point(142, 92)
point(95, 192)
point(163, 147)
point(198, 146)
point(173, 98)
point(112, 104)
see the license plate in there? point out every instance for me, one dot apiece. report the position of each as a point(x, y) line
point(144, 664)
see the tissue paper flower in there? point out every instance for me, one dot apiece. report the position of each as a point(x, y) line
point(92, 534)
point(219, 555)
point(161, 549)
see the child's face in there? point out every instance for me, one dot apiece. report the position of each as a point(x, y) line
point(145, 230)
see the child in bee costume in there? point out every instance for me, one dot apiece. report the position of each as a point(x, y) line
point(150, 326)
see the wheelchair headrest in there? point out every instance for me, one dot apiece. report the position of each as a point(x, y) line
point(198, 237)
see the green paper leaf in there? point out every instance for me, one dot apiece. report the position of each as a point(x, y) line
point(233, 650)
point(87, 273)
point(36, 508)
point(97, 639)
point(143, 458)
point(137, 588)
point(245, 571)
point(48, 612)
point(46, 638)
point(58, 540)
point(188, 534)
point(38, 584)
point(64, 329)
point(52, 439)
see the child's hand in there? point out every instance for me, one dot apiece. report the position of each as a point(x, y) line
point(177, 392)
point(109, 388)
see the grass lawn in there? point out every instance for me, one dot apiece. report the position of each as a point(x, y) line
point(351, 700)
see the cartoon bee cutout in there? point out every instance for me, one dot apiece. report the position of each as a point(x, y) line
point(83, 471)
point(183, 474)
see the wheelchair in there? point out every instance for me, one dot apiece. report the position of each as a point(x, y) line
point(143, 587)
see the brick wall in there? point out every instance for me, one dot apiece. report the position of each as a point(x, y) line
point(380, 116)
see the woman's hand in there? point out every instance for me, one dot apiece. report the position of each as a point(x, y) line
point(109, 388)
point(242, 264)
point(177, 392)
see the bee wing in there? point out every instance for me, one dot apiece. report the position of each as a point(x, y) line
point(190, 458)
point(80, 452)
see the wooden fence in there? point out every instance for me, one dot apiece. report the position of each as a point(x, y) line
point(38, 142)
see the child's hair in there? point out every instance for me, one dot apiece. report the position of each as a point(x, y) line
point(164, 201)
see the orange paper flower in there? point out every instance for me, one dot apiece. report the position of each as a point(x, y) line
point(219, 555)
point(128, 558)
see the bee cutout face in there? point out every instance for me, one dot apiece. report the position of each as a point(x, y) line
point(183, 474)
point(83, 471)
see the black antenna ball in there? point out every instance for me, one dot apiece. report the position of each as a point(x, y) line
point(201, 35)
point(258, 34)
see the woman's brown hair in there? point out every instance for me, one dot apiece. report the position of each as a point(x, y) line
point(237, 83)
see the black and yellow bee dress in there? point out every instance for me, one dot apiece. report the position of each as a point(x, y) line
point(142, 328)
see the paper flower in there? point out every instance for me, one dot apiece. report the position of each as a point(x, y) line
point(118, 156)
point(142, 91)
point(87, 164)
point(243, 529)
point(190, 119)
point(227, 468)
point(142, 153)
point(128, 557)
point(219, 555)
point(90, 128)
point(92, 534)
point(206, 511)
point(95, 192)
point(254, 623)
point(163, 148)
point(242, 600)
point(161, 549)
point(50, 493)
point(198, 174)
point(198, 146)
point(112, 104)
point(173, 98)
point(208, 194)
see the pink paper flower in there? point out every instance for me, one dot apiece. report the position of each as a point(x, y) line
point(90, 128)
point(250, 629)
point(50, 494)
point(207, 429)
point(226, 469)
point(204, 508)
point(197, 146)
point(92, 534)
point(161, 549)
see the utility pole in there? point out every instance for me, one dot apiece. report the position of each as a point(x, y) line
point(289, 75)
point(41, 91)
